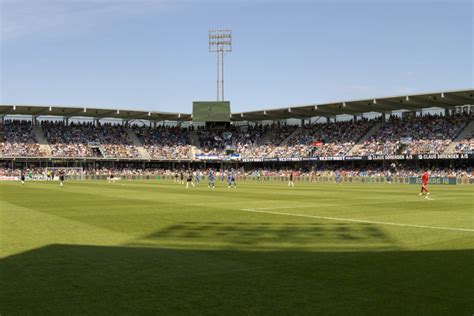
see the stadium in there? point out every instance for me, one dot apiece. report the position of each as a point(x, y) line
point(357, 206)
point(363, 140)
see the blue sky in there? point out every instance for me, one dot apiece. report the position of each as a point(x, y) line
point(153, 55)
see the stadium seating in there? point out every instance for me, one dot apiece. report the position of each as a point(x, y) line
point(466, 145)
point(333, 139)
point(425, 135)
point(243, 140)
point(19, 140)
point(76, 139)
point(164, 142)
point(421, 135)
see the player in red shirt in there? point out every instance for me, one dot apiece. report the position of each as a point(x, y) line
point(424, 180)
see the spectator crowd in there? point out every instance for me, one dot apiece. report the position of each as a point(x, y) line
point(80, 139)
point(165, 142)
point(19, 140)
point(428, 134)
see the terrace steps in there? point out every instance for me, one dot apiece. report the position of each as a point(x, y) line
point(286, 140)
point(42, 141)
point(267, 136)
point(194, 138)
point(138, 144)
point(469, 128)
point(367, 135)
point(293, 134)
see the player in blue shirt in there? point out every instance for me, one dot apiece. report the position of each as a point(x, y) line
point(197, 176)
point(231, 178)
point(211, 179)
point(338, 177)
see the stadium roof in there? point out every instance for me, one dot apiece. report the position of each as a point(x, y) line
point(415, 102)
point(69, 112)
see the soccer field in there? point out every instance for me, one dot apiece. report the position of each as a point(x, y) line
point(150, 247)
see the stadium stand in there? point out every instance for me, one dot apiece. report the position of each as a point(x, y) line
point(80, 139)
point(242, 140)
point(164, 142)
point(464, 142)
point(19, 140)
point(424, 135)
point(69, 140)
point(333, 139)
point(429, 134)
point(466, 145)
point(271, 148)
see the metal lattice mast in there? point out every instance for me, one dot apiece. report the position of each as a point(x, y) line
point(220, 42)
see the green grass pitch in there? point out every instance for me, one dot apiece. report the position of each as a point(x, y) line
point(156, 248)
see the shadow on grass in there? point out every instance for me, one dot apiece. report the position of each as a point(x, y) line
point(270, 236)
point(92, 280)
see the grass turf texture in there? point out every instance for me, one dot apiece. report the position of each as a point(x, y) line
point(157, 248)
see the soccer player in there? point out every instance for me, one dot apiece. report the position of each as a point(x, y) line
point(189, 180)
point(290, 182)
point(338, 177)
point(211, 179)
point(231, 178)
point(111, 177)
point(61, 178)
point(197, 176)
point(22, 177)
point(389, 177)
point(424, 179)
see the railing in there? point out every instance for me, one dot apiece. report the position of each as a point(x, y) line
point(304, 179)
point(283, 179)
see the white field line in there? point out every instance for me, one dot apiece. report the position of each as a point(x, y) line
point(312, 206)
point(286, 207)
point(354, 220)
point(319, 205)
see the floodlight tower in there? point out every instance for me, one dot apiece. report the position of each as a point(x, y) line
point(220, 42)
